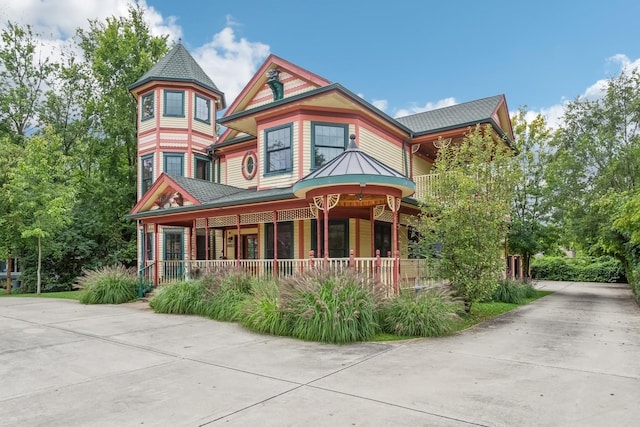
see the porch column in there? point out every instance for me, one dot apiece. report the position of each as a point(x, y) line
point(325, 212)
point(156, 243)
point(206, 239)
point(238, 241)
point(192, 242)
point(394, 205)
point(318, 235)
point(275, 243)
point(372, 219)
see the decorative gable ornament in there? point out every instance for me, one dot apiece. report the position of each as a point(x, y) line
point(273, 80)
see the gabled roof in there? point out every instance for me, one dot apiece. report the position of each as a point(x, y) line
point(458, 115)
point(178, 66)
point(354, 167)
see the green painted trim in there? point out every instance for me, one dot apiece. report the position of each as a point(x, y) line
point(179, 155)
point(197, 157)
point(265, 170)
point(143, 99)
point(313, 140)
point(327, 181)
point(195, 109)
point(164, 94)
point(151, 156)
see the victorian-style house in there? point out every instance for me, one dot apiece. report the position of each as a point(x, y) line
point(305, 172)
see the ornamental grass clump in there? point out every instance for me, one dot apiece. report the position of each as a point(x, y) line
point(179, 298)
point(327, 307)
point(513, 292)
point(108, 285)
point(225, 293)
point(431, 313)
point(261, 313)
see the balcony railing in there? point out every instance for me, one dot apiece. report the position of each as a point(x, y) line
point(425, 185)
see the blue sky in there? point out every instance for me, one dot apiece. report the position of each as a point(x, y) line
point(403, 56)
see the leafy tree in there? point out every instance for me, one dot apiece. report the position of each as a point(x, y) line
point(467, 215)
point(22, 77)
point(40, 191)
point(9, 219)
point(530, 228)
point(596, 169)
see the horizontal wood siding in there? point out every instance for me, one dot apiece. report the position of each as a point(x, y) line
point(203, 127)
point(147, 125)
point(293, 85)
point(306, 147)
point(403, 242)
point(382, 149)
point(235, 177)
point(421, 166)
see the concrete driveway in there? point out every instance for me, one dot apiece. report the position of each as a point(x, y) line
point(569, 359)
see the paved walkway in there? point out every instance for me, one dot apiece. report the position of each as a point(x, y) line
point(569, 359)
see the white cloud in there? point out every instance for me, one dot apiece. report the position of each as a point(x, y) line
point(380, 104)
point(554, 114)
point(414, 109)
point(230, 62)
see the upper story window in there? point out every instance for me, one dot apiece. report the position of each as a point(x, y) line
point(327, 141)
point(202, 109)
point(148, 107)
point(174, 103)
point(173, 164)
point(203, 168)
point(278, 153)
point(147, 173)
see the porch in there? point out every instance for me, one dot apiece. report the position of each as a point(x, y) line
point(412, 274)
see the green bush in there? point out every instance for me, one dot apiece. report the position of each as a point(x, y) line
point(261, 313)
point(108, 285)
point(326, 307)
point(179, 298)
point(431, 313)
point(604, 269)
point(513, 292)
point(225, 293)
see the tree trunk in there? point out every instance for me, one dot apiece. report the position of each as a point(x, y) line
point(526, 266)
point(38, 285)
point(9, 269)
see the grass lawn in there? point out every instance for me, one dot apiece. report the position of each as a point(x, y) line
point(480, 312)
point(64, 295)
point(483, 311)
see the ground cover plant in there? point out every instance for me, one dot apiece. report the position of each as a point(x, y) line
point(75, 295)
point(108, 285)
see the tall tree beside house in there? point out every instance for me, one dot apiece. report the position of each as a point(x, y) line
point(117, 51)
point(467, 215)
point(530, 226)
point(42, 192)
point(9, 217)
point(595, 170)
point(24, 72)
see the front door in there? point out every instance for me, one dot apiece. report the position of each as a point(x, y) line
point(173, 254)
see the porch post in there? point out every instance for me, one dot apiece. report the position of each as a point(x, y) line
point(206, 239)
point(325, 209)
point(275, 243)
point(318, 235)
point(156, 243)
point(372, 219)
point(192, 242)
point(238, 241)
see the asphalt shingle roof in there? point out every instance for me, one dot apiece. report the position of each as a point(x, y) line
point(452, 116)
point(179, 66)
point(205, 191)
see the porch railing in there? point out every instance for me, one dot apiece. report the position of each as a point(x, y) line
point(413, 273)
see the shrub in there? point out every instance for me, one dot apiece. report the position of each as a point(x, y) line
point(511, 291)
point(326, 307)
point(179, 298)
point(604, 269)
point(108, 285)
point(225, 293)
point(430, 313)
point(260, 311)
